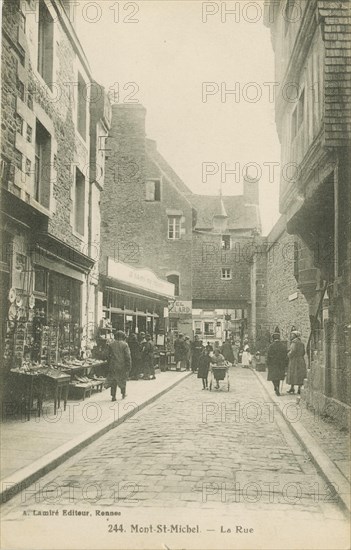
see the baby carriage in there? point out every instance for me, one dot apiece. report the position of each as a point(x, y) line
point(219, 373)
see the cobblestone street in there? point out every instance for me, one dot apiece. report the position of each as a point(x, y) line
point(211, 455)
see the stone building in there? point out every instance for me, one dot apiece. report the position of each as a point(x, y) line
point(286, 305)
point(312, 56)
point(47, 192)
point(224, 239)
point(146, 224)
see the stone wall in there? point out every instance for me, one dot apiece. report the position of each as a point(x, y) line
point(286, 305)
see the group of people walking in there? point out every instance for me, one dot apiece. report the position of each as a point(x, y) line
point(132, 359)
point(281, 362)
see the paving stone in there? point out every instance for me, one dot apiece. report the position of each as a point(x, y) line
point(178, 454)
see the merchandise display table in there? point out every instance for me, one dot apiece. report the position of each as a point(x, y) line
point(59, 382)
point(29, 387)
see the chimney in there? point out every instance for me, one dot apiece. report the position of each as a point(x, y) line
point(251, 191)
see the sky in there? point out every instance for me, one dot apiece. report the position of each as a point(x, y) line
point(181, 59)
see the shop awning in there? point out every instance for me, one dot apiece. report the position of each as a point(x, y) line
point(55, 248)
point(138, 281)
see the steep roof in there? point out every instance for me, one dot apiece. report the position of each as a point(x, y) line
point(240, 215)
point(153, 153)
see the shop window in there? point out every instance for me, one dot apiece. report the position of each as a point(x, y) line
point(42, 164)
point(174, 279)
point(64, 303)
point(6, 249)
point(226, 242)
point(198, 327)
point(209, 329)
point(45, 43)
point(79, 203)
point(226, 273)
point(173, 324)
point(40, 280)
point(82, 107)
point(153, 190)
point(174, 227)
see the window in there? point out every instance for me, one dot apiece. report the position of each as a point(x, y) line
point(45, 43)
point(79, 203)
point(82, 107)
point(174, 227)
point(174, 279)
point(173, 324)
point(226, 273)
point(226, 242)
point(19, 124)
point(209, 328)
point(42, 165)
point(153, 190)
point(40, 280)
point(198, 327)
point(29, 133)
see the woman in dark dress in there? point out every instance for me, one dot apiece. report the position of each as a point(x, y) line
point(203, 366)
point(277, 361)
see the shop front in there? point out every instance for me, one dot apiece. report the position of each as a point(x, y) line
point(134, 299)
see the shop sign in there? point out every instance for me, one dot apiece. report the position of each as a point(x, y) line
point(140, 278)
point(181, 307)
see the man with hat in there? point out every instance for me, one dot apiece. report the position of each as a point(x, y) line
point(119, 364)
point(277, 360)
point(180, 351)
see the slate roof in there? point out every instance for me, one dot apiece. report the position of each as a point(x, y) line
point(240, 215)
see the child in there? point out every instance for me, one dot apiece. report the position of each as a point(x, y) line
point(203, 368)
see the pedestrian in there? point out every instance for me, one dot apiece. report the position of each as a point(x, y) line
point(203, 363)
point(188, 352)
point(209, 348)
point(135, 352)
point(148, 358)
point(119, 363)
point(277, 361)
point(246, 356)
point(218, 360)
point(297, 366)
point(236, 349)
point(227, 351)
point(180, 352)
point(196, 351)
